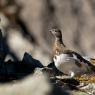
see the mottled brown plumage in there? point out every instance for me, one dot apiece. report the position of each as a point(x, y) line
point(59, 46)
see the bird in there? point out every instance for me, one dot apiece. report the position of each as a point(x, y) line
point(69, 62)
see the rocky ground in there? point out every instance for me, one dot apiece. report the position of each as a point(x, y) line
point(30, 77)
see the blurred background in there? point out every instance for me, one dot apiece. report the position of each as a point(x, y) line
point(26, 24)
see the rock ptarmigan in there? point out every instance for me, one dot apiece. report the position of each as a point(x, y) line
point(67, 61)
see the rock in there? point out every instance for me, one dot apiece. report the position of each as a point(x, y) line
point(51, 65)
point(89, 88)
point(30, 60)
point(36, 84)
point(78, 93)
point(2, 48)
point(11, 70)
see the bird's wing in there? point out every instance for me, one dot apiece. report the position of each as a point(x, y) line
point(79, 58)
point(82, 60)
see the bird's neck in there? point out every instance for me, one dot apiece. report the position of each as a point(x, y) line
point(58, 41)
point(58, 46)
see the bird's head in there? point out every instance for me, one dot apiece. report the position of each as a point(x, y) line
point(56, 32)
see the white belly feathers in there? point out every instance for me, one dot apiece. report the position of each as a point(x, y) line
point(67, 64)
point(62, 58)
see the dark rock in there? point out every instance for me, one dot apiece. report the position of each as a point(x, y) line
point(30, 60)
point(11, 70)
point(52, 65)
point(59, 90)
point(2, 47)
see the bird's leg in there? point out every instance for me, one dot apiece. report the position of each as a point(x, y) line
point(71, 74)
